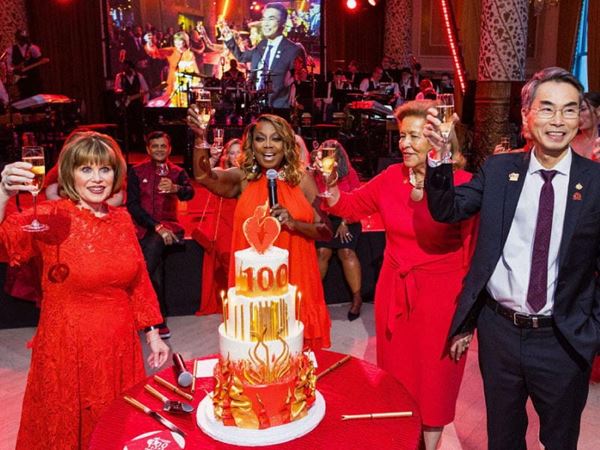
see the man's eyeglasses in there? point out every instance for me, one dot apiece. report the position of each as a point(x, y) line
point(547, 112)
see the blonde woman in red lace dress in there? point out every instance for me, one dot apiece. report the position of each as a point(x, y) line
point(96, 295)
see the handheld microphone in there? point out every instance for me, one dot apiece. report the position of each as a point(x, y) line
point(272, 186)
point(184, 377)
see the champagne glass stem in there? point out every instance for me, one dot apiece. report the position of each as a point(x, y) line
point(35, 221)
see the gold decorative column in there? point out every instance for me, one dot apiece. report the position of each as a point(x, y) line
point(502, 54)
point(398, 31)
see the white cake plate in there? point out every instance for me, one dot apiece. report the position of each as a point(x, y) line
point(205, 417)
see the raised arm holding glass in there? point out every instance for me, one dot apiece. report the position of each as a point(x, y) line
point(269, 143)
point(423, 267)
point(96, 295)
point(532, 289)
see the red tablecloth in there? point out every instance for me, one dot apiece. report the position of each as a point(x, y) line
point(354, 388)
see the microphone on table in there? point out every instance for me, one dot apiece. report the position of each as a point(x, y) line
point(272, 186)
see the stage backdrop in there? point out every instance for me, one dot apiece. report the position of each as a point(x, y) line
point(70, 33)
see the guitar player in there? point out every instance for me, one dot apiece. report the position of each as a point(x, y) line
point(21, 56)
point(131, 92)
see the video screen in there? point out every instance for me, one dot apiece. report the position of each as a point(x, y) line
point(151, 41)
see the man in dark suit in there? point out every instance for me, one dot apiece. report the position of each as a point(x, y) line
point(532, 290)
point(272, 60)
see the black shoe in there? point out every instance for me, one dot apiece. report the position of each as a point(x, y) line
point(353, 316)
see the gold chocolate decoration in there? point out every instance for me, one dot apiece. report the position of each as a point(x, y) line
point(241, 407)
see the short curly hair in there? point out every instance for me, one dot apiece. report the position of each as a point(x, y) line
point(291, 166)
point(89, 147)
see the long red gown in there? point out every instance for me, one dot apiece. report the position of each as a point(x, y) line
point(416, 294)
point(215, 261)
point(86, 350)
point(303, 263)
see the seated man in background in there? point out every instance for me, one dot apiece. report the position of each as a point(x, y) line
point(153, 188)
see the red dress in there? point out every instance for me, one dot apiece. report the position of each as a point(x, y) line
point(416, 294)
point(86, 350)
point(303, 263)
point(214, 234)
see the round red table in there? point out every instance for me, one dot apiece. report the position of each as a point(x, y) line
point(356, 387)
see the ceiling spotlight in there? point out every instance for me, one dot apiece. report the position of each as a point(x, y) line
point(373, 2)
point(351, 4)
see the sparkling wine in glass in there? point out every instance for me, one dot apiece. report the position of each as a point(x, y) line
point(34, 155)
point(162, 170)
point(445, 109)
point(204, 105)
point(327, 157)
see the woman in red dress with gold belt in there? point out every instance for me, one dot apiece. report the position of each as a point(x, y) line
point(96, 295)
point(421, 276)
point(269, 144)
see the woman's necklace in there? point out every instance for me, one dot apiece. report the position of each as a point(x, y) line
point(416, 195)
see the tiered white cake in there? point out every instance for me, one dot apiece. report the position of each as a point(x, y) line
point(263, 378)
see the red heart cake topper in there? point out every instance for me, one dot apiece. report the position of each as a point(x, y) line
point(261, 230)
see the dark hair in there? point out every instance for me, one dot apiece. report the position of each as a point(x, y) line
point(157, 135)
point(445, 74)
point(593, 98)
point(282, 10)
point(556, 74)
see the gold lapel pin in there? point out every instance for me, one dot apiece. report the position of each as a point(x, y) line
point(514, 176)
point(579, 186)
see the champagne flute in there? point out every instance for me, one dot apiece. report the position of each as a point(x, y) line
point(34, 155)
point(445, 109)
point(162, 170)
point(326, 155)
point(204, 105)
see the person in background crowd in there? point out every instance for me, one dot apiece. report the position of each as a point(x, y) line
point(131, 91)
point(345, 238)
point(22, 57)
point(371, 83)
point(153, 188)
point(408, 89)
point(531, 290)
point(336, 88)
point(421, 276)
point(352, 74)
point(183, 74)
point(587, 143)
point(269, 143)
point(426, 90)
point(233, 76)
point(214, 233)
point(96, 295)
point(446, 84)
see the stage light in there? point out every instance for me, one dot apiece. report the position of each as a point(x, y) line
point(351, 4)
point(373, 2)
